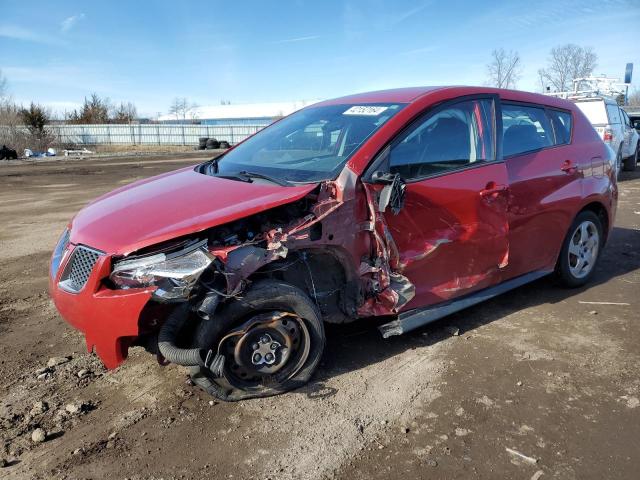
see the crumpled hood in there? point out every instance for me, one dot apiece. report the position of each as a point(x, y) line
point(171, 205)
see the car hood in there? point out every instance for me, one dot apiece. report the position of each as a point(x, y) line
point(177, 203)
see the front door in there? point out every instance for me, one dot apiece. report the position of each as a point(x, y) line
point(452, 234)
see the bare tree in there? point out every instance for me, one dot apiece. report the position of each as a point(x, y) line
point(124, 113)
point(634, 98)
point(178, 108)
point(3, 85)
point(181, 108)
point(567, 62)
point(504, 69)
point(193, 110)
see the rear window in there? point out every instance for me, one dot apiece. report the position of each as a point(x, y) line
point(595, 111)
point(525, 129)
point(614, 114)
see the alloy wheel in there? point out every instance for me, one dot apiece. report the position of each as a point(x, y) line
point(583, 249)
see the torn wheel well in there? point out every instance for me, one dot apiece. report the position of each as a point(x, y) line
point(324, 275)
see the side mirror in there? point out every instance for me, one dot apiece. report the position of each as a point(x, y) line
point(383, 178)
point(392, 194)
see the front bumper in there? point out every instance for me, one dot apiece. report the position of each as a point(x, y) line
point(109, 319)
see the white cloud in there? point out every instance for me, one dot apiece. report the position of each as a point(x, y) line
point(69, 22)
point(15, 32)
point(409, 13)
point(297, 39)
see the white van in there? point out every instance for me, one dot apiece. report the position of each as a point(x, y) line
point(614, 127)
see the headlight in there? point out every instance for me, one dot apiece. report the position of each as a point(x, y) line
point(174, 274)
point(58, 253)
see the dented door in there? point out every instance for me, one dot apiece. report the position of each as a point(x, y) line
point(452, 234)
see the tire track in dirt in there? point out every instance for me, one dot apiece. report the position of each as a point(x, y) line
point(324, 426)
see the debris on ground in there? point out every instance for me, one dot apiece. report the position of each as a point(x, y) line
point(537, 475)
point(632, 402)
point(38, 435)
point(521, 456)
point(38, 408)
point(55, 361)
point(454, 331)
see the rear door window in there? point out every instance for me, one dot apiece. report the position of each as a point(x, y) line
point(454, 137)
point(561, 122)
point(525, 129)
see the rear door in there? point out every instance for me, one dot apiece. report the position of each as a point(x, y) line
point(452, 234)
point(617, 129)
point(545, 174)
point(627, 149)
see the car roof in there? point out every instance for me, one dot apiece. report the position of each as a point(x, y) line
point(395, 95)
point(412, 94)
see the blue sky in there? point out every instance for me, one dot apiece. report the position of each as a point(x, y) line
point(258, 51)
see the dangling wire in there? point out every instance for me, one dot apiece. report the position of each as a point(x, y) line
point(313, 285)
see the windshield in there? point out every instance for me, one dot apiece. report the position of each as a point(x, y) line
point(308, 146)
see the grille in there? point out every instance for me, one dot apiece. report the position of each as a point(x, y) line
point(79, 268)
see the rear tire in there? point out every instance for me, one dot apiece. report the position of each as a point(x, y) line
point(580, 250)
point(631, 162)
point(261, 298)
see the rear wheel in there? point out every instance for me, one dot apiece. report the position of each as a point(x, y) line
point(619, 162)
point(631, 162)
point(580, 250)
point(272, 341)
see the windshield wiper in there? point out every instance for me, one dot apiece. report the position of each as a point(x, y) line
point(278, 181)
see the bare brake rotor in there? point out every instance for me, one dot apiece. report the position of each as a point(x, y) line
point(270, 347)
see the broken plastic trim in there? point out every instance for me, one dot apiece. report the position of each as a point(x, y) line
point(393, 192)
point(413, 319)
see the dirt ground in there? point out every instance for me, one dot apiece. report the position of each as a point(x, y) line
point(537, 383)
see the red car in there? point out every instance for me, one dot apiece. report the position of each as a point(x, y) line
point(406, 204)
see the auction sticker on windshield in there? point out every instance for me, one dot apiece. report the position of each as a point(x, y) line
point(365, 110)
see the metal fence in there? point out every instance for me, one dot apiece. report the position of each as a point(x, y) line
point(149, 134)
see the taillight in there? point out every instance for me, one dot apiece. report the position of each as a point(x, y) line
point(608, 135)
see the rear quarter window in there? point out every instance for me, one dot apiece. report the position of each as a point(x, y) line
point(614, 114)
point(562, 124)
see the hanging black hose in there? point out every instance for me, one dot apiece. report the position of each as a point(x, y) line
point(168, 335)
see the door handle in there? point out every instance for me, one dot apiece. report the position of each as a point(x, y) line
point(568, 167)
point(492, 188)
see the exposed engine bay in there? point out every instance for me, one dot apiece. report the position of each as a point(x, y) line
point(306, 254)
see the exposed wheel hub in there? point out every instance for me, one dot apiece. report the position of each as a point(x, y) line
point(268, 344)
point(265, 350)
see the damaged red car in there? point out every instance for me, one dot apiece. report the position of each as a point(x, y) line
point(405, 204)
